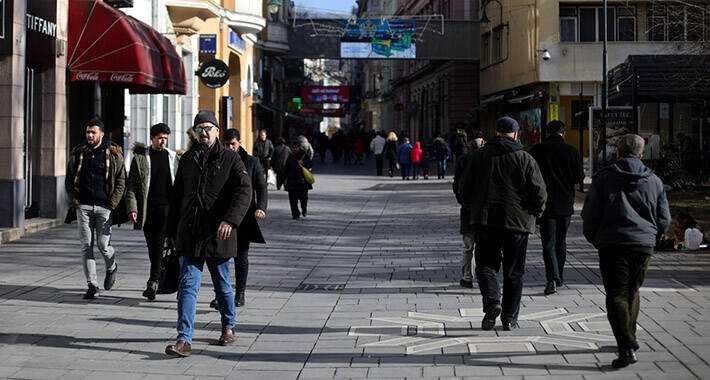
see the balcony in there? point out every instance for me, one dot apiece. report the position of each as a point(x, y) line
point(582, 61)
point(275, 38)
point(245, 15)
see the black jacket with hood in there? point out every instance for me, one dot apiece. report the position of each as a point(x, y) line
point(626, 205)
point(561, 168)
point(503, 187)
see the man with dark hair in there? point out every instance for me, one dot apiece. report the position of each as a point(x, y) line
point(249, 230)
point(562, 169)
point(278, 161)
point(211, 196)
point(150, 183)
point(377, 146)
point(626, 210)
point(505, 190)
point(96, 182)
point(263, 150)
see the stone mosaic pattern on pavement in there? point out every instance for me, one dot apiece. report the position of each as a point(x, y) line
point(365, 287)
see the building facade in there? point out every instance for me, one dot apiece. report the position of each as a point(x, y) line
point(542, 60)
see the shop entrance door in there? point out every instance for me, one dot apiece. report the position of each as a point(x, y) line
point(33, 120)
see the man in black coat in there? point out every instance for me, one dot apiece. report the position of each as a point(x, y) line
point(626, 210)
point(211, 195)
point(562, 169)
point(249, 230)
point(505, 190)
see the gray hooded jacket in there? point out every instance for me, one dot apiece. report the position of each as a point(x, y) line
point(626, 205)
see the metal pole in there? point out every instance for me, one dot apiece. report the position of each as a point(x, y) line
point(580, 129)
point(605, 90)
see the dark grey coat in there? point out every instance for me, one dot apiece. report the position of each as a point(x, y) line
point(249, 228)
point(626, 205)
point(209, 188)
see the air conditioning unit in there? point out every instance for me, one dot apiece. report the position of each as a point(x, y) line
point(120, 3)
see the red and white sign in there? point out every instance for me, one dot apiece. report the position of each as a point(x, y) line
point(325, 94)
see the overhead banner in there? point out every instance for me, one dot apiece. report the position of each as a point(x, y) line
point(325, 94)
point(379, 38)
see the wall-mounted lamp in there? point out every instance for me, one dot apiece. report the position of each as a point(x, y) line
point(546, 56)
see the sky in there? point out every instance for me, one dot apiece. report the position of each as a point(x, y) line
point(335, 5)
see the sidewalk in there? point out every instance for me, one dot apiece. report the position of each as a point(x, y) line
point(365, 287)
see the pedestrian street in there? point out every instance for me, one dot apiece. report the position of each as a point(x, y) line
point(366, 286)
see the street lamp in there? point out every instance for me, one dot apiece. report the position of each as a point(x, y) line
point(274, 6)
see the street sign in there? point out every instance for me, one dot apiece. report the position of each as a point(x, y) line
point(325, 94)
point(214, 73)
point(236, 42)
point(208, 44)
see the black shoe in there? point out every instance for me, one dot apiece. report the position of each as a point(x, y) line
point(214, 304)
point(510, 325)
point(559, 283)
point(550, 288)
point(303, 215)
point(92, 292)
point(240, 299)
point(466, 284)
point(151, 289)
point(489, 320)
point(626, 357)
point(635, 346)
point(110, 278)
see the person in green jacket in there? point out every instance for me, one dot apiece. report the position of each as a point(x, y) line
point(505, 190)
point(150, 183)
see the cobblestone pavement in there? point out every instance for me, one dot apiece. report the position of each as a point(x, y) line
point(366, 286)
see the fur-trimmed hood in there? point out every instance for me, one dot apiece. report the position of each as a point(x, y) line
point(139, 148)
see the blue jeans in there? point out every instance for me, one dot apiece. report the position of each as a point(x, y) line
point(190, 279)
point(441, 168)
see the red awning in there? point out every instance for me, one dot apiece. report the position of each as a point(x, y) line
point(106, 45)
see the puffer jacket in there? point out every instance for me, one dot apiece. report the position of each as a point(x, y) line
point(503, 187)
point(626, 205)
point(211, 186)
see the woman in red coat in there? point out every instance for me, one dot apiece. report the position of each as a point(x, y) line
point(416, 156)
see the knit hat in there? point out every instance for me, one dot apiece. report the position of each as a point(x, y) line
point(507, 124)
point(205, 116)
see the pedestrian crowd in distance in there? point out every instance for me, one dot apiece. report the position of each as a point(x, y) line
point(189, 207)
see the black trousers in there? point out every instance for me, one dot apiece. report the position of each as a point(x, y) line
point(379, 162)
point(296, 196)
point(280, 178)
point(154, 230)
point(493, 247)
point(553, 232)
point(241, 265)
point(392, 166)
point(623, 269)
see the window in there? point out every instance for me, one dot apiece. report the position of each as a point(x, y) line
point(497, 44)
point(657, 29)
point(697, 24)
point(610, 25)
point(626, 24)
point(586, 23)
point(568, 24)
point(486, 49)
point(678, 23)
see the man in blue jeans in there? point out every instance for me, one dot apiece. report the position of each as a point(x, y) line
point(211, 195)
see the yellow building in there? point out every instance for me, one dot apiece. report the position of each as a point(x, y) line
point(235, 24)
point(542, 59)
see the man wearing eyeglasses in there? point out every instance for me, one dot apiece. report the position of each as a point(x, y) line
point(211, 195)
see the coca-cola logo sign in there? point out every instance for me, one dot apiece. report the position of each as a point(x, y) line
point(214, 73)
point(89, 76)
point(122, 77)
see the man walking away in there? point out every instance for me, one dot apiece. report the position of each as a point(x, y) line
point(404, 154)
point(296, 184)
point(506, 192)
point(211, 196)
point(390, 153)
point(96, 182)
point(442, 153)
point(562, 169)
point(377, 146)
point(624, 213)
point(150, 183)
point(264, 150)
point(278, 161)
point(249, 230)
point(466, 228)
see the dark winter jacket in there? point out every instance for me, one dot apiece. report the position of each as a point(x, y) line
point(626, 205)
point(441, 149)
point(138, 184)
point(465, 212)
point(249, 228)
point(211, 187)
point(278, 160)
point(561, 168)
point(263, 150)
point(404, 154)
point(115, 179)
point(504, 187)
point(295, 181)
point(390, 150)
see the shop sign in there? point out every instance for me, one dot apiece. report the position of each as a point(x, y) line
point(554, 112)
point(236, 42)
point(619, 122)
point(5, 26)
point(326, 112)
point(208, 44)
point(214, 73)
point(325, 94)
point(41, 25)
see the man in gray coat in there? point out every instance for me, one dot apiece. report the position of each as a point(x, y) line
point(624, 213)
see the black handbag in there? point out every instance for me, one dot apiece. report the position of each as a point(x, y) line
point(169, 272)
